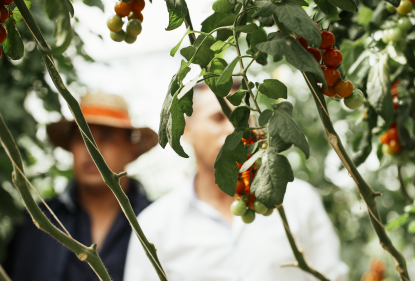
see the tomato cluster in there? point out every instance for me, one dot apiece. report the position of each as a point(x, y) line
point(4, 15)
point(376, 271)
point(246, 204)
point(390, 140)
point(132, 10)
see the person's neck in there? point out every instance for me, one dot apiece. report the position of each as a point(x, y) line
point(208, 191)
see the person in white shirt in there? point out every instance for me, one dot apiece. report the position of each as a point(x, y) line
point(198, 238)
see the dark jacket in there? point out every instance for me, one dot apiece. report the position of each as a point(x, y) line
point(35, 256)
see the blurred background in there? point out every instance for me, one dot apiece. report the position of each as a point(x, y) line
point(141, 73)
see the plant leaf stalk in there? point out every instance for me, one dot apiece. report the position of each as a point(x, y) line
point(405, 193)
point(364, 189)
point(84, 253)
point(3, 275)
point(110, 178)
point(299, 255)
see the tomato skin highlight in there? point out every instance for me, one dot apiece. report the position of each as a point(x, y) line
point(332, 76)
point(315, 52)
point(303, 42)
point(4, 14)
point(122, 9)
point(327, 40)
point(344, 88)
point(3, 34)
point(332, 58)
point(137, 6)
point(329, 92)
point(394, 146)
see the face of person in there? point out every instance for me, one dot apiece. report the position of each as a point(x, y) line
point(207, 128)
point(115, 146)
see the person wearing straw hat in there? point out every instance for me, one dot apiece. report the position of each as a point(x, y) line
point(87, 208)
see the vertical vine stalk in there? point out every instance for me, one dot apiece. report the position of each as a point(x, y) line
point(110, 178)
point(405, 193)
point(3, 275)
point(298, 254)
point(368, 194)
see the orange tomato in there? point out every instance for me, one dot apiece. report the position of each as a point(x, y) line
point(240, 186)
point(393, 134)
point(122, 9)
point(395, 146)
point(329, 92)
point(385, 138)
point(344, 88)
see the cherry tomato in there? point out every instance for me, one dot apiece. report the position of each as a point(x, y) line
point(394, 88)
point(118, 36)
point(134, 27)
point(378, 266)
point(370, 276)
point(386, 149)
point(138, 5)
point(248, 217)
point(412, 1)
point(404, 24)
point(3, 34)
point(315, 52)
point(394, 146)
point(269, 212)
point(303, 42)
point(115, 23)
point(396, 35)
point(404, 8)
point(6, 2)
point(122, 9)
point(238, 207)
point(391, 9)
point(138, 16)
point(393, 134)
point(327, 40)
point(344, 88)
point(395, 105)
point(240, 186)
point(260, 208)
point(130, 39)
point(331, 75)
point(332, 57)
point(355, 100)
point(247, 188)
point(328, 92)
point(4, 14)
point(385, 138)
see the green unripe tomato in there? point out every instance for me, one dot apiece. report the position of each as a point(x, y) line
point(386, 149)
point(134, 27)
point(115, 23)
point(118, 36)
point(404, 24)
point(260, 208)
point(130, 39)
point(390, 8)
point(396, 35)
point(249, 216)
point(355, 100)
point(404, 8)
point(238, 208)
point(269, 212)
point(386, 38)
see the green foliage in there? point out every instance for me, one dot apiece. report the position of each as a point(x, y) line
point(13, 45)
point(273, 89)
point(217, 66)
point(177, 12)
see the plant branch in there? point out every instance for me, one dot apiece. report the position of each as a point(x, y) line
point(84, 253)
point(109, 177)
point(364, 189)
point(3, 275)
point(299, 255)
point(188, 23)
point(405, 193)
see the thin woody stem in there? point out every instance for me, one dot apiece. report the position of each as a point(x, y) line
point(3, 275)
point(405, 193)
point(367, 193)
point(299, 255)
point(109, 177)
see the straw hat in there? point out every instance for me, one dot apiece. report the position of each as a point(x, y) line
point(107, 110)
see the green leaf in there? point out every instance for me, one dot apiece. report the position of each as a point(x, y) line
point(271, 181)
point(220, 46)
point(279, 144)
point(379, 152)
point(378, 89)
point(13, 45)
point(365, 16)
point(398, 222)
point(295, 54)
point(283, 125)
point(411, 227)
point(250, 149)
point(327, 8)
point(187, 87)
point(236, 97)
point(223, 6)
point(239, 117)
point(300, 2)
point(204, 54)
point(226, 169)
point(257, 37)
point(60, 12)
point(394, 2)
point(273, 89)
point(16, 13)
point(347, 5)
point(251, 160)
point(227, 73)
point(217, 66)
point(176, 48)
point(95, 3)
point(266, 8)
point(410, 209)
point(177, 12)
point(264, 117)
point(247, 28)
point(293, 17)
point(233, 139)
point(55, 9)
point(216, 20)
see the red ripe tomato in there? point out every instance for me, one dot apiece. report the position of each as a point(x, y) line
point(138, 5)
point(329, 92)
point(394, 88)
point(332, 76)
point(3, 34)
point(394, 146)
point(385, 138)
point(344, 88)
point(394, 125)
point(315, 52)
point(393, 134)
point(303, 42)
point(4, 14)
point(6, 2)
point(247, 187)
point(332, 58)
point(122, 9)
point(240, 186)
point(327, 40)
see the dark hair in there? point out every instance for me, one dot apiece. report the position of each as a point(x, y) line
point(203, 86)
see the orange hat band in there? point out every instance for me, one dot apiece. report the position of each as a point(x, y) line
point(98, 111)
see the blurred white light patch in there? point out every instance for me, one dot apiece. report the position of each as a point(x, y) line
point(34, 105)
point(64, 159)
point(59, 184)
point(339, 177)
